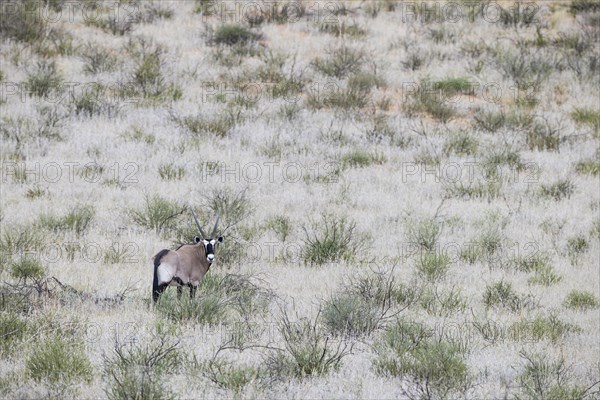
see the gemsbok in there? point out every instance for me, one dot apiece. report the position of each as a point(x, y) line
point(187, 265)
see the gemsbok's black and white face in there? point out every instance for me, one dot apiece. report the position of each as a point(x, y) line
point(210, 246)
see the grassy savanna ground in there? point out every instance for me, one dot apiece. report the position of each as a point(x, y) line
point(411, 195)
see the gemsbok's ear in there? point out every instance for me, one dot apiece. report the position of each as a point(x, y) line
point(220, 239)
point(196, 239)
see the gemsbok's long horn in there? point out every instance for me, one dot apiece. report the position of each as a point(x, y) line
point(216, 224)
point(198, 224)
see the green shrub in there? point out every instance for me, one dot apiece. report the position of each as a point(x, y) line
point(542, 378)
point(587, 117)
point(57, 361)
point(352, 30)
point(361, 159)
point(170, 172)
point(208, 309)
point(230, 375)
point(589, 167)
point(307, 350)
point(281, 225)
point(436, 367)
point(490, 121)
point(431, 102)
point(12, 331)
point(583, 6)
point(77, 221)
point(350, 314)
point(25, 23)
point(19, 240)
point(461, 144)
point(331, 240)
point(501, 294)
point(137, 134)
point(432, 266)
point(27, 269)
point(442, 302)
point(219, 125)
point(98, 59)
point(558, 190)
point(549, 328)
point(576, 246)
point(157, 213)
point(424, 233)
point(44, 79)
point(581, 300)
point(452, 86)
point(139, 371)
point(341, 62)
point(233, 34)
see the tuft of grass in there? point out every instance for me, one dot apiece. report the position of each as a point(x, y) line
point(424, 233)
point(558, 190)
point(484, 246)
point(428, 101)
point(137, 133)
point(432, 266)
point(281, 225)
point(581, 300)
point(157, 213)
point(341, 62)
point(19, 240)
point(56, 361)
point(583, 6)
point(27, 269)
point(98, 59)
point(502, 295)
point(170, 172)
point(576, 246)
point(217, 125)
point(331, 240)
point(587, 117)
point(350, 314)
point(343, 29)
point(361, 159)
point(542, 378)
point(461, 144)
point(24, 23)
point(44, 79)
point(208, 309)
point(450, 87)
point(77, 220)
point(436, 367)
point(307, 350)
point(12, 330)
point(442, 303)
point(549, 328)
point(589, 167)
point(229, 375)
point(138, 371)
point(233, 35)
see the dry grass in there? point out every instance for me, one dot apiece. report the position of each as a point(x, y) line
point(420, 195)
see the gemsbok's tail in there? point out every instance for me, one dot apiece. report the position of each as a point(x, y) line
point(155, 287)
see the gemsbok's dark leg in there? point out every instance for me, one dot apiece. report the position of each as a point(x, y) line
point(179, 291)
point(158, 291)
point(192, 291)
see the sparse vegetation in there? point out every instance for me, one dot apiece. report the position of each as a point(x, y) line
point(77, 221)
point(157, 213)
point(332, 239)
point(581, 300)
point(412, 351)
point(59, 363)
point(407, 193)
